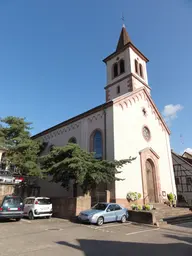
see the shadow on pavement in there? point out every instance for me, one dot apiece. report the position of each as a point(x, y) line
point(115, 248)
point(184, 224)
point(183, 239)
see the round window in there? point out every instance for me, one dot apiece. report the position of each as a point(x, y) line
point(146, 133)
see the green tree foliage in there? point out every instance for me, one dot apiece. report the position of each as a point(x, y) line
point(72, 163)
point(21, 151)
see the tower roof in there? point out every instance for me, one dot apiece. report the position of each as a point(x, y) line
point(123, 39)
point(123, 43)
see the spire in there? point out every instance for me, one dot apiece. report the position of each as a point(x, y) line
point(123, 39)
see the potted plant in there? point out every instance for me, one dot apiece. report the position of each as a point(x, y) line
point(133, 196)
point(172, 199)
point(139, 207)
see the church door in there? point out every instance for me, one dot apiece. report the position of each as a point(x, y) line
point(150, 168)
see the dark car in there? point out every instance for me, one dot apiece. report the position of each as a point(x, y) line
point(11, 207)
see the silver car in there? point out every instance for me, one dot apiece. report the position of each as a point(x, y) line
point(6, 177)
point(104, 212)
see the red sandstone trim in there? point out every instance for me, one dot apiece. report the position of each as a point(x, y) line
point(125, 77)
point(140, 54)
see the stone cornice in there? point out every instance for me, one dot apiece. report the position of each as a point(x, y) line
point(125, 77)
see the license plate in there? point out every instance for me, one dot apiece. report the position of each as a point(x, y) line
point(44, 209)
point(13, 209)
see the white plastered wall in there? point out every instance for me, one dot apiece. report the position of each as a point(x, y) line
point(129, 141)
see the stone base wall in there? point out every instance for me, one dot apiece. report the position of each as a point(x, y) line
point(6, 189)
point(82, 203)
point(68, 208)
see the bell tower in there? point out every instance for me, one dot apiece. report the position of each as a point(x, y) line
point(126, 68)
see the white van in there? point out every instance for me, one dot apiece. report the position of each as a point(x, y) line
point(36, 207)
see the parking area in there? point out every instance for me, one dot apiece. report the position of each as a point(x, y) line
point(61, 237)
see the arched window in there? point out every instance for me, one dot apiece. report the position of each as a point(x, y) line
point(72, 140)
point(141, 70)
point(97, 144)
point(118, 89)
point(136, 67)
point(122, 66)
point(115, 70)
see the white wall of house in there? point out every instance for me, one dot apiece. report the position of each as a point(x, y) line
point(128, 141)
point(133, 55)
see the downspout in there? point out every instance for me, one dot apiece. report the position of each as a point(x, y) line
point(105, 151)
point(105, 135)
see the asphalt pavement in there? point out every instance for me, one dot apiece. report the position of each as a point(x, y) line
point(59, 237)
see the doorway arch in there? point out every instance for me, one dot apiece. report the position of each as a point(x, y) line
point(150, 180)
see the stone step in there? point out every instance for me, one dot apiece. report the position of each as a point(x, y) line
point(163, 212)
point(177, 219)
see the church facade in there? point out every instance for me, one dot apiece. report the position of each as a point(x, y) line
point(127, 124)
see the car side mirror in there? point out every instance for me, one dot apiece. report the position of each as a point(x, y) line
point(108, 210)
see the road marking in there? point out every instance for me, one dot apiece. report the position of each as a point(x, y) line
point(142, 231)
point(115, 225)
point(28, 221)
point(53, 229)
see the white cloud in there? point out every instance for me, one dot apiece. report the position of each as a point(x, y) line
point(170, 112)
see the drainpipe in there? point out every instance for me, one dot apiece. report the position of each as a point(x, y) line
point(105, 134)
point(105, 150)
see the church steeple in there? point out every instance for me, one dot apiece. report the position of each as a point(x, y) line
point(126, 68)
point(124, 39)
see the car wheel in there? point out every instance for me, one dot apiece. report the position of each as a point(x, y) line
point(100, 221)
point(123, 219)
point(18, 219)
point(31, 216)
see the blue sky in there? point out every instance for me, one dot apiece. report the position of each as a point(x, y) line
point(51, 57)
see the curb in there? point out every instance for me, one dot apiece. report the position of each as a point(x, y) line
point(145, 225)
point(176, 230)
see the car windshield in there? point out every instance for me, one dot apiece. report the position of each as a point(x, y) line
point(5, 173)
point(100, 206)
point(44, 201)
point(12, 201)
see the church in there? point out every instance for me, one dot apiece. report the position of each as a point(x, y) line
point(127, 124)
